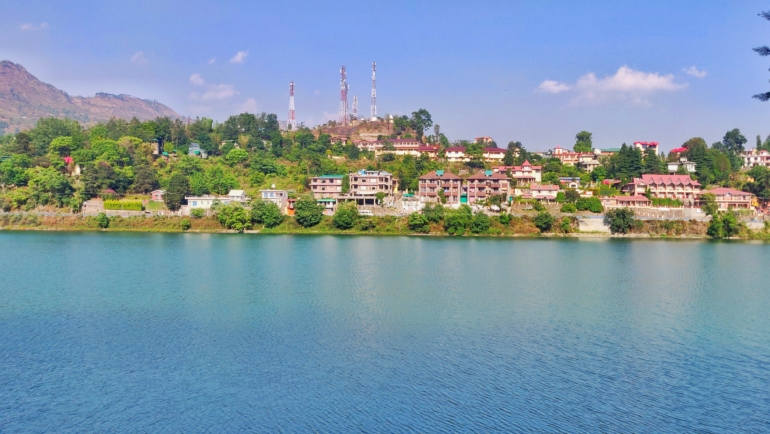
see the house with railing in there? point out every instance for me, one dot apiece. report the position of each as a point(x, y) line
point(680, 187)
point(727, 198)
point(524, 174)
point(755, 157)
point(483, 185)
point(447, 182)
point(326, 186)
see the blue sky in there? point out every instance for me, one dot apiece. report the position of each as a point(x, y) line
point(533, 71)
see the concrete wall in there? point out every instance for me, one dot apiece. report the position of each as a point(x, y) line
point(591, 224)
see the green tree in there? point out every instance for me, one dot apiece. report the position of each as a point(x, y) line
point(145, 179)
point(307, 211)
point(266, 213)
point(457, 221)
point(220, 181)
point(571, 195)
point(234, 217)
point(346, 216)
point(345, 184)
point(418, 223)
point(480, 223)
point(49, 185)
point(380, 196)
point(61, 146)
point(583, 142)
point(620, 220)
point(236, 156)
point(510, 153)
point(560, 197)
point(543, 221)
point(178, 187)
point(421, 121)
point(197, 213)
point(434, 212)
point(709, 204)
point(730, 224)
point(599, 174)
point(186, 224)
point(763, 51)
point(568, 208)
point(102, 220)
point(715, 229)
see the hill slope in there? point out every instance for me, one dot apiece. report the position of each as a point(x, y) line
point(24, 99)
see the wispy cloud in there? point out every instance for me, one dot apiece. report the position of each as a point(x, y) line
point(553, 86)
point(626, 84)
point(29, 27)
point(215, 92)
point(212, 61)
point(695, 72)
point(139, 58)
point(239, 57)
point(248, 106)
point(197, 80)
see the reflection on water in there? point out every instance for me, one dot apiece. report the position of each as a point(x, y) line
point(158, 332)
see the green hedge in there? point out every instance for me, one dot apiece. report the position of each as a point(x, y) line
point(125, 205)
point(667, 202)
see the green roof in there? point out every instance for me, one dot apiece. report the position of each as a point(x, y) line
point(165, 154)
point(326, 200)
point(408, 194)
point(332, 176)
point(609, 149)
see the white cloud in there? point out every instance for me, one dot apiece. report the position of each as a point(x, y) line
point(239, 57)
point(695, 72)
point(139, 58)
point(625, 85)
point(552, 86)
point(215, 92)
point(212, 60)
point(29, 27)
point(248, 106)
point(197, 80)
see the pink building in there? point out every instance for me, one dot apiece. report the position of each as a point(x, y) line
point(728, 198)
point(755, 158)
point(524, 174)
point(157, 195)
point(482, 185)
point(431, 183)
point(543, 192)
point(680, 187)
point(625, 202)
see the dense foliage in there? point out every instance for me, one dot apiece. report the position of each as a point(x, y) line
point(620, 220)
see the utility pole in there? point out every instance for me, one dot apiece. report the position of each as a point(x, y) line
point(343, 115)
point(373, 110)
point(292, 122)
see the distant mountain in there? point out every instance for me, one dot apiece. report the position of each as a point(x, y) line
point(24, 99)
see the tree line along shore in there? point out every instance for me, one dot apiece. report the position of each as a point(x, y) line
point(59, 165)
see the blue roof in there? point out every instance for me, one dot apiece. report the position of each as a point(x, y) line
point(332, 176)
point(439, 173)
point(488, 172)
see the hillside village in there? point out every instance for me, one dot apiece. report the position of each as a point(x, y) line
point(384, 167)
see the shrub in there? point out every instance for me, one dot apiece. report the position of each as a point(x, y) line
point(365, 224)
point(186, 224)
point(538, 206)
point(457, 221)
point(572, 195)
point(543, 221)
point(197, 213)
point(560, 198)
point(124, 205)
point(434, 212)
point(266, 213)
point(308, 212)
point(566, 225)
point(102, 220)
point(569, 208)
point(621, 220)
point(346, 216)
point(504, 218)
point(592, 204)
point(233, 216)
point(418, 223)
point(480, 223)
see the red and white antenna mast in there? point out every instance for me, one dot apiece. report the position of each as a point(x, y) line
point(292, 123)
point(343, 115)
point(374, 92)
point(354, 115)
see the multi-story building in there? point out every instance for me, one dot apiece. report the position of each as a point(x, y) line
point(455, 154)
point(647, 145)
point(542, 192)
point(568, 158)
point(278, 197)
point(371, 182)
point(588, 161)
point(673, 166)
point(755, 158)
point(524, 174)
point(326, 186)
point(728, 198)
point(680, 187)
point(482, 185)
point(448, 182)
point(493, 154)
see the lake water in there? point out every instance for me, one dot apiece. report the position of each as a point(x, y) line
point(228, 333)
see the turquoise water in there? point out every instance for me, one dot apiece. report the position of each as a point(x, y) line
point(227, 333)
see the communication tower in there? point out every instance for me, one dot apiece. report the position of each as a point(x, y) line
point(343, 115)
point(354, 115)
point(373, 113)
point(292, 122)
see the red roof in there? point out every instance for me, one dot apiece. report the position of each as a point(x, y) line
point(653, 144)
point(631, 198)
point(725, 191)
point(544, 187)
point(679, 150)
point(68, 160)
point(649, 178)
point(446, 175)
point(455, 149)
point(482, 175)
point(495, 150)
